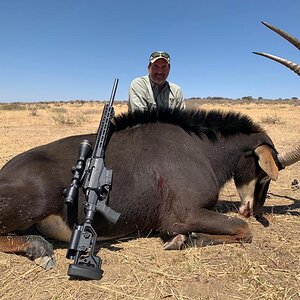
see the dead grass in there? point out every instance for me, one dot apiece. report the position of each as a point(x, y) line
point(268, 268)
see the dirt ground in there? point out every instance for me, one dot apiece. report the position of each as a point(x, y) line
point(268, 268)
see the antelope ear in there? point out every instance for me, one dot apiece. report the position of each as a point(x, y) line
point(266, 161)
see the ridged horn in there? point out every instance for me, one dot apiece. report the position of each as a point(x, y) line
point(284, 34)
point(291, 65)
point(290, 156)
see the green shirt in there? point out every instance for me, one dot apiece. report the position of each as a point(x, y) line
point(144, 95)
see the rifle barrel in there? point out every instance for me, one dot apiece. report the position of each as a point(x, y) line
point(113, 92)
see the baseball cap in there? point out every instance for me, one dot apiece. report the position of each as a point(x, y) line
point(159, 54)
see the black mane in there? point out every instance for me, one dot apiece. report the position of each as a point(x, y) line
point(210, 123)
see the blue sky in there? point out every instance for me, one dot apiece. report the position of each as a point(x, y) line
point(53, 50)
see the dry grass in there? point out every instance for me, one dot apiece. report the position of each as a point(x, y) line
point(268, 268)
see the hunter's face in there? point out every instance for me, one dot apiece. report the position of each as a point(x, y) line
point(159, 71)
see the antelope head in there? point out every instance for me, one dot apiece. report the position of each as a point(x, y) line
point(292, 155)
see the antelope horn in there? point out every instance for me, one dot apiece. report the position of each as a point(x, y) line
point(290, 156)
point(284, 34)
point(291, 65)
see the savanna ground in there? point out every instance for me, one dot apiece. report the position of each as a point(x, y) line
point(268, 268)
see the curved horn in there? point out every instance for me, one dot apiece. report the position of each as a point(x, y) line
point(291, 65)
point(290, 156)
point(284, 34)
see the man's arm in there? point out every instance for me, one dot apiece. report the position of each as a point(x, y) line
point(138, 95)
point(180, 100)
point(177, 93)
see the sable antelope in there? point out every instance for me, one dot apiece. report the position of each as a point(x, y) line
point(169, 167)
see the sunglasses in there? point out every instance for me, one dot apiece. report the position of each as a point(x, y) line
point(162, 54)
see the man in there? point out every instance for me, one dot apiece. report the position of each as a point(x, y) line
point(153, 90)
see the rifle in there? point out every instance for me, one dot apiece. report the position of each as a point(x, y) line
point(91, 174)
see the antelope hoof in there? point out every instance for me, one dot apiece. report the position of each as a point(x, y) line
point(175, 243)
point(46, 262)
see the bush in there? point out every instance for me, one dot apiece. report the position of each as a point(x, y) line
point(12, 106)
point(59, 110)
point(273, 119)
point(68, 119)
point(247, 98)
point(33, 112)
